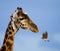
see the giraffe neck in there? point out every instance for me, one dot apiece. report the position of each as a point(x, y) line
point(9, 38)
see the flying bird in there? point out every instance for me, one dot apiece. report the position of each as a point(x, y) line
point(45, 36)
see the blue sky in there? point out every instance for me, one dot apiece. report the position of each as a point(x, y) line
point(45, 14)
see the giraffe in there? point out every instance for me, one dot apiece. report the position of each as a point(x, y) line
point(18, 20)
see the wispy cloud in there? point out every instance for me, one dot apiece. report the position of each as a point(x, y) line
point(31, 43)
point(56, 37)
point(1, 38)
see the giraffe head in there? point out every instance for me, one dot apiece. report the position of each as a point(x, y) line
point(23, 21)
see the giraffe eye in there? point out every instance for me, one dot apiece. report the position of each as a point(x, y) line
point(21, 18)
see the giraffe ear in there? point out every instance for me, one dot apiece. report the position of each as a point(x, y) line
point(33, 27)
